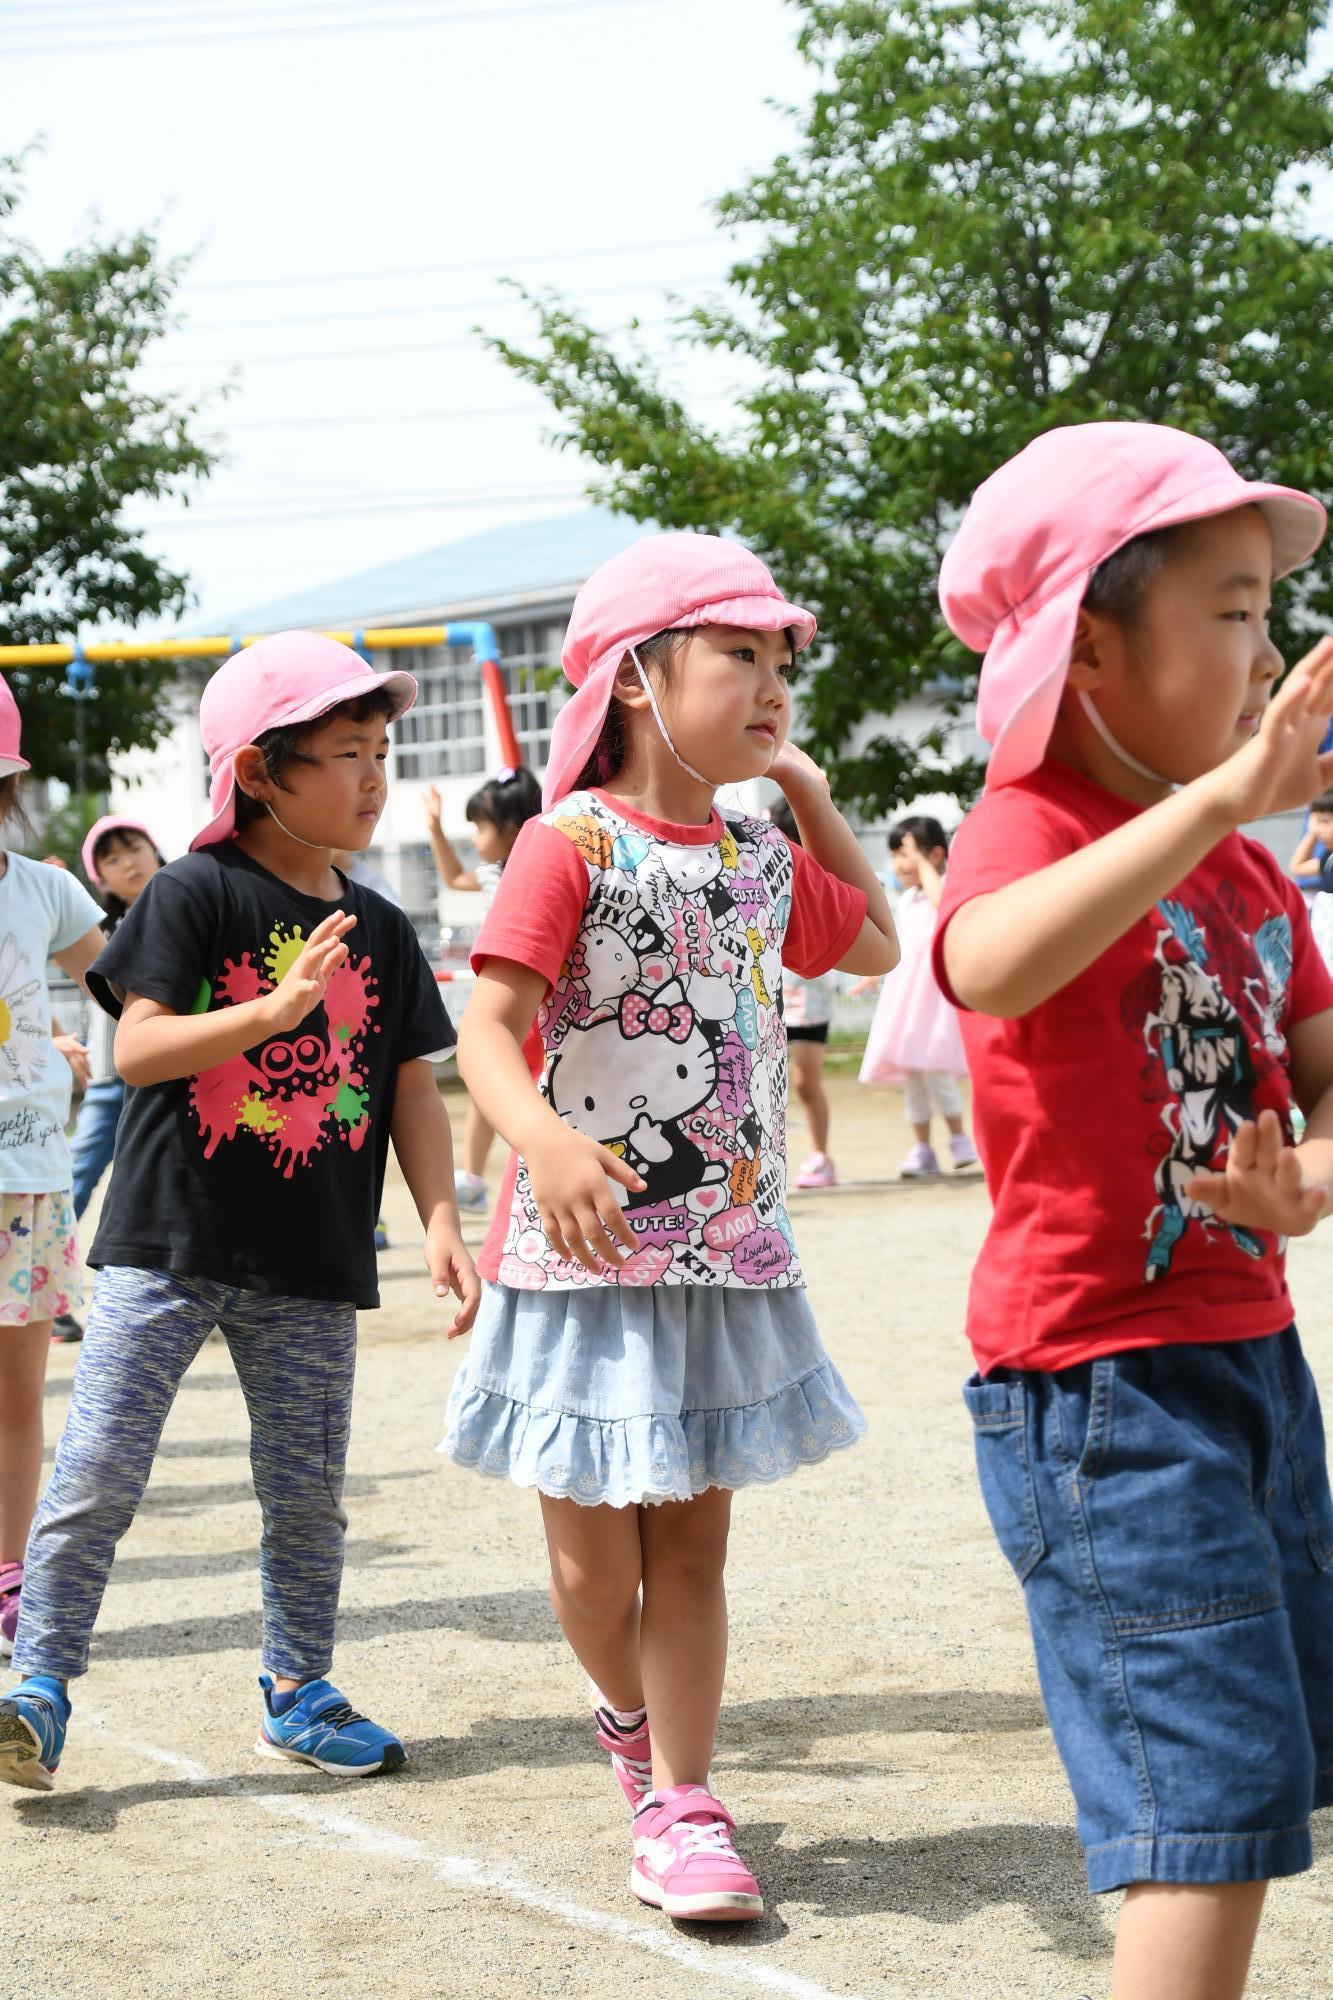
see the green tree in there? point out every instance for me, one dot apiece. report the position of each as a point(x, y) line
point(79, 438)
point(998, 215)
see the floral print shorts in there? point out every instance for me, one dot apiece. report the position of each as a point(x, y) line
point(41, 1272)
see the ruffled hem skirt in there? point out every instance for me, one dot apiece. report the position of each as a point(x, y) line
point(618, 1398)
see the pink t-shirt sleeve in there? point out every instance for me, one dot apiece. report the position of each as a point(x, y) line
point(826, 917)
point(1007, 835)
point(539, 904)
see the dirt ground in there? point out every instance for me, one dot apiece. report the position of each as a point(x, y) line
point(882, 1743)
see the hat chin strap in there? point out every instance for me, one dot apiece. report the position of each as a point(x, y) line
point(1117, 749)
point(662, 728)
point(317, 846)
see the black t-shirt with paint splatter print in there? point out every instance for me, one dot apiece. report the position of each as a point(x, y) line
point(265, 1171)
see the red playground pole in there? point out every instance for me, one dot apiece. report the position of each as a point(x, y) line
point(510, 753)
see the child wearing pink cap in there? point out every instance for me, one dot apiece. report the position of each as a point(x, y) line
point(44, 914)
point(1143, 1002)
point(644, 1345)
point(275, 1025)
point(120, 857)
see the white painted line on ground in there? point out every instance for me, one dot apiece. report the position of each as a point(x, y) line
point(464, 1872)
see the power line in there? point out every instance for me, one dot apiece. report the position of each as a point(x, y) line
point(460, 412)
point(488, 303)
point(418, 504)
point(370, 23)
point(510, 258)
point(227, 361)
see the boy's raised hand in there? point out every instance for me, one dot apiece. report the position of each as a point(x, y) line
point(302, 986)
point(1263, 1184)
point(571, 1179)
point(1281, 767)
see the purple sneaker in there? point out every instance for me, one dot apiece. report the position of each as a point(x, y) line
point(11, 1580)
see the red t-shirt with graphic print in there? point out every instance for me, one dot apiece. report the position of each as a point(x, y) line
point(1093, 1109)
point(662, 1028)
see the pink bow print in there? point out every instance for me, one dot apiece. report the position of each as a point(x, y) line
point(641, 1016)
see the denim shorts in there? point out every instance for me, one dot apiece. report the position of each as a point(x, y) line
point(1167, 1512)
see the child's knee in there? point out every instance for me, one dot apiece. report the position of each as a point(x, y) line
point(597, 1596)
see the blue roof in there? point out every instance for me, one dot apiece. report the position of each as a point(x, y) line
point(478, 575)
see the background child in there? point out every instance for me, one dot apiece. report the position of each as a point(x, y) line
point(120, 857)
point(496, 813)
point(644, 1344)
point(44, 913)
point(1312, 865)
point(274, 1030)
point(1147, 998)
point(807, 1010)
point(914, 1037)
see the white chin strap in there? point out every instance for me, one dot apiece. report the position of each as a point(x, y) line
point(1117, 749)
point(318, 846)
point(662, 728)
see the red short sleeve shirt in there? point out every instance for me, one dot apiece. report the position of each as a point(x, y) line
point(1092, 1110)
point(662, 1031)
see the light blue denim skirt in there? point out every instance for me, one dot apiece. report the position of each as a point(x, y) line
point(615, 1397)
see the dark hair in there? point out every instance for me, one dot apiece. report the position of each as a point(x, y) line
point(116, 906)
point(608, 752)
point(285, 746)
point(925, 831)
point(507, 801)
point(1323, 804)
point(1118, 585)
point(784, 819)
point(11, 805)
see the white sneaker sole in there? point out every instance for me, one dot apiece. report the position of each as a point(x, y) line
point(728, 1908)
point(21, 1757)
point(267, 1749)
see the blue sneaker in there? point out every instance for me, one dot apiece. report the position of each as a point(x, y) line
point(33, 1719)
point(469, 1190)
point(322, 1728)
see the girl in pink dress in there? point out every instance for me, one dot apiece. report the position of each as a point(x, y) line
point(914, 1038)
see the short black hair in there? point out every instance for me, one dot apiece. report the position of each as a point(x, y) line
point(285, 746)
point(1117, 586)
point(1323, 804)
point(508, 800)
point(925, 831)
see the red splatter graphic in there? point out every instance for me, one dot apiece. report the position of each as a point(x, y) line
point(243, 981)
point(301, 1133)
point(216, 1097)
point(348, 1001)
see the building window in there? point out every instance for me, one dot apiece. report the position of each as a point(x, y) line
point(529, 653)
point(443, 735)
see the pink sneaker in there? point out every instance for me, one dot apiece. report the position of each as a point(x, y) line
point(11, 1578)
point(817, 1171)
point(631, 1752)
point(684, 1862)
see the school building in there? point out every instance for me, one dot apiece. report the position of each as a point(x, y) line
point(521, 580)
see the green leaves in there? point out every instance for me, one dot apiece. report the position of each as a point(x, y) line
point(998, 215)
point(79, 438)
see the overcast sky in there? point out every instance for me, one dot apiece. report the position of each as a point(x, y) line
point(353, 179)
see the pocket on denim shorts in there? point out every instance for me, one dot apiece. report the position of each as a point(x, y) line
point(1000, 1429)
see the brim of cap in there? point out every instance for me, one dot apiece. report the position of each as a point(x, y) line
point(10, 765)
point(1023, 673)
point(222, 792)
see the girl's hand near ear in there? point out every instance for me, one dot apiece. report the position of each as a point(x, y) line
point(798, 774)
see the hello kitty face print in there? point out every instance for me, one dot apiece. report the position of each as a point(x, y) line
point(664, 1041)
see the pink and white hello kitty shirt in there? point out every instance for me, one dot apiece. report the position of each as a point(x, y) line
point(662, 1031)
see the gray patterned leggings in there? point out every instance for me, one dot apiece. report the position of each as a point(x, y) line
point(295, 1359)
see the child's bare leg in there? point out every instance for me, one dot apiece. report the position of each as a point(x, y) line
point(596, 1569)
point(921, 1131)
point(807, 1066)
point(1178, 1941)
point(23, 1356)
point(955, 1126)
point(476, 1142)
point(684, 1631)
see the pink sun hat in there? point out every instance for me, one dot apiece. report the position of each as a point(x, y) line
point(10, 728)
point(109, 823)
point(289, 678)
point(663, 583)
point(1015, 574)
